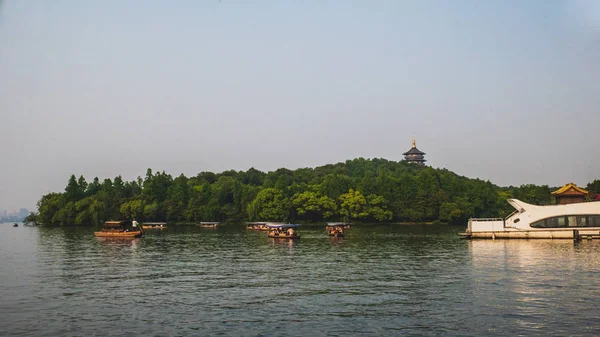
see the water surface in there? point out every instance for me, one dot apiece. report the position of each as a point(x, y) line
point(379, 280)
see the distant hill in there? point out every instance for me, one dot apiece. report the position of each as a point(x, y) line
point(368, 190)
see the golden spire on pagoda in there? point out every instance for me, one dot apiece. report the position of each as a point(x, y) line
point(414, 144)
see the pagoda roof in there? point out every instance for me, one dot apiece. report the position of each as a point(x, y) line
point(413, 150)
point(570, 188)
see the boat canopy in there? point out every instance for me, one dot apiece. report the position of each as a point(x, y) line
point(209, 223)
point(154, 223)
point(332, 224)
point(114, 223)
point(282, 225)
point(256, 223)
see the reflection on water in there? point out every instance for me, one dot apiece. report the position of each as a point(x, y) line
point(377, 280)
point(547, 285)
point(336, 241)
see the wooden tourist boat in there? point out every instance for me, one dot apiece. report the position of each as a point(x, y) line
point(283, 231)
point(335, 229)
point(154, 225)
point(209, 224)
point(119, 229)
point(343, 225)
point(257, 226)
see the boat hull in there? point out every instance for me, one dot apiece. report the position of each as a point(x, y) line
point(289, 237)
point(154, 227)
point(534, 234)
point(336, 235)
point(118, 234)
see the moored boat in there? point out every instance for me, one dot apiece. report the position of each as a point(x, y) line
point(119, 229)
point(154, 225)
point(335, 229)
point(209, 224)
point(257, 226)
point(283, 231)
point(569, 221)
point(16, 225)
point(343, 225)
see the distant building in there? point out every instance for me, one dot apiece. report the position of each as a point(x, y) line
point(23, 212)
point(414, 155)
point(569, 194)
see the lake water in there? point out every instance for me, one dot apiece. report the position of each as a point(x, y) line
point(378, 280)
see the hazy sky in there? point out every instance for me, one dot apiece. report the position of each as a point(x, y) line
point(502, 90)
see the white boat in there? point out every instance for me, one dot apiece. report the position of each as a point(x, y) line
point(571, 221)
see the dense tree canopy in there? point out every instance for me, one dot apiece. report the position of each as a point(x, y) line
point(357, 190)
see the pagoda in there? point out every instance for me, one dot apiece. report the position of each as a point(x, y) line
point(569, 194)
point(414, 155)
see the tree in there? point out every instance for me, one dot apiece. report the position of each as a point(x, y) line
point(360, 189)
point(450, 212)
point(377, 208)
point(132, 209)
point(73, 191)
point(48, 206)
point(269, 204)
point(150, 211)
point(31, 219)
point(352, 205)
point(313, 206)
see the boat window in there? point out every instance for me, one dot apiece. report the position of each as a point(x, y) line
point(556, 222)
point(568, 221)
point(517, 220)
point(594, 220)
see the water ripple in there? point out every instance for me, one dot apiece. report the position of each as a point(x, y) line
point(378, 280)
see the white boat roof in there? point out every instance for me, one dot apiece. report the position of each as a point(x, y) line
point(339, 223)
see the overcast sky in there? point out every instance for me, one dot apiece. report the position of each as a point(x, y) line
point(502, 90)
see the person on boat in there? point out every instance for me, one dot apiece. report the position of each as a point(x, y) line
point(290, 231)
point(134, 223)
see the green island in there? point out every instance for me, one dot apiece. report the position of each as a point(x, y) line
point(362, 190)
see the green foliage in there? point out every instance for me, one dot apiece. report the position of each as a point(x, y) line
point(450, 212)
point(593, 189)
point(377, 208)
point(269, 204)
point(132, 209)
point(313, 206)
point(359, 189)
point(31, 218)
point(352, 205)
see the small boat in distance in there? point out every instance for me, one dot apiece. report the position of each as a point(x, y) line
point(16, 225)
point(335, 229)
point(209, 224)
point(119, 229)
point(283, 231)
point(344, 225)
point(569, 221)
point(154, 225)
point(257, 226)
